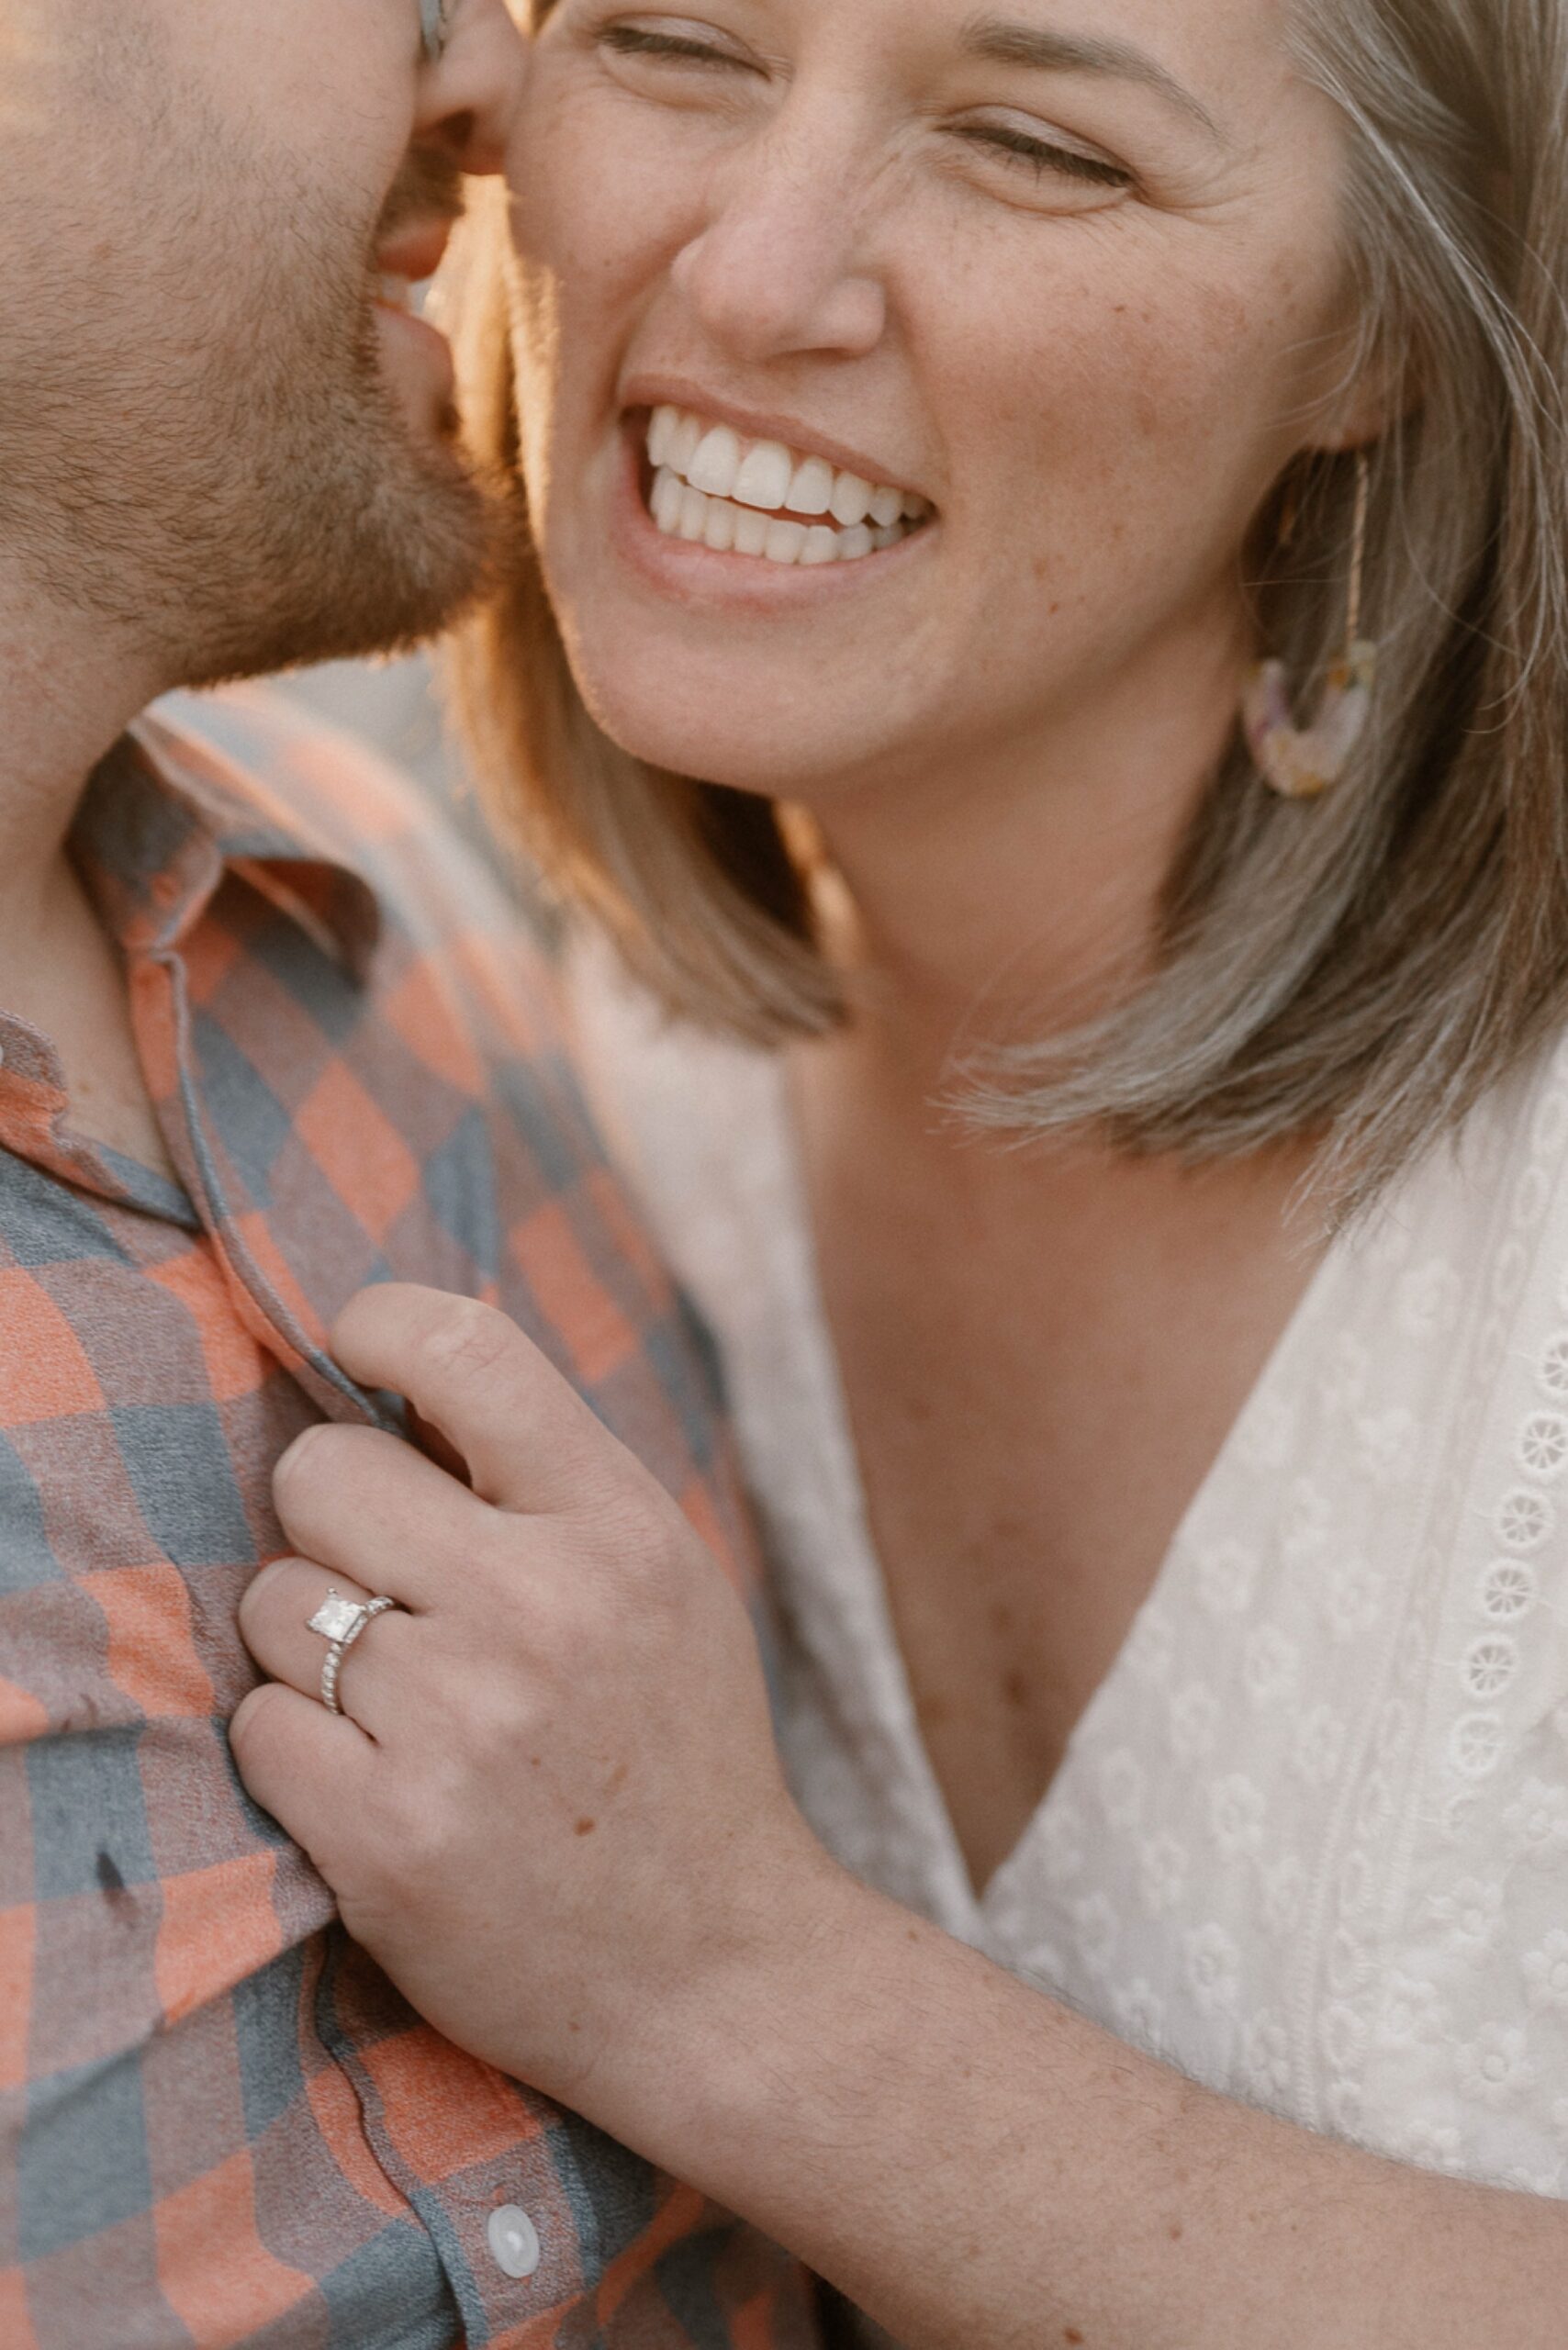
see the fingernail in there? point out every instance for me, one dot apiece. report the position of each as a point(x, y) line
point(291, 1459)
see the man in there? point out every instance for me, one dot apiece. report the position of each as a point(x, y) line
point(263, 1037)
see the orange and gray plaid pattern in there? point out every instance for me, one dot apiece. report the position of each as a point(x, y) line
point(219, 2122)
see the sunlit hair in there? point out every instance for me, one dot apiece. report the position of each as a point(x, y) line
point(1363, 968)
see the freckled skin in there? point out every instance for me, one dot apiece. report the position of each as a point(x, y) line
point(1097, 395)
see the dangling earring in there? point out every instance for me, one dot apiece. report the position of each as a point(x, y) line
point(1304, 763)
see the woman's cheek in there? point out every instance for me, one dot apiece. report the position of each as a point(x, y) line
point(606, 190)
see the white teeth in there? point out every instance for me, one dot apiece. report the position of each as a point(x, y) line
point(810, 492)
point(712, 487)
point(851, 500)
point(785, 541)
point(764, 476)
point(662, 431)
point(669, 491)
point(716, 463)
point(396, 293)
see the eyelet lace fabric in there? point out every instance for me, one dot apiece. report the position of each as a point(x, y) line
point(1310, 1840)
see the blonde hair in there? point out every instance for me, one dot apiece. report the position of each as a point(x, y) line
point(1362, 969)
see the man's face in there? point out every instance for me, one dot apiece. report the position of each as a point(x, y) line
point(213, 435)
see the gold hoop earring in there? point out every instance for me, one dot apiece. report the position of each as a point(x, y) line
point(1303, 763)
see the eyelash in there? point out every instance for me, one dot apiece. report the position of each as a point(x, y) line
point(1039, 156)
point(627, 40)
point(1015, 147)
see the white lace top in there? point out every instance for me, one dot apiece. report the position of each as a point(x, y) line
point(1310, 1840)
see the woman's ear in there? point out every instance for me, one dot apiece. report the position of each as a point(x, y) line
point(1384, 391)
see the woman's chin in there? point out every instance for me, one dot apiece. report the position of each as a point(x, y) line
point(760, 758)
point(762, 733)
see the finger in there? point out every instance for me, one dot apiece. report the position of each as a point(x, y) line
point(530, 1440)
point(372, 1678)
point(364, 1504)
point(311, 1770)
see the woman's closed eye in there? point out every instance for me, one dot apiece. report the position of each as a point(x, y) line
point(675, 43)
point(1040, 156)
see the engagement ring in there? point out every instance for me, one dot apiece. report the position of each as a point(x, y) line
point(340, 1622)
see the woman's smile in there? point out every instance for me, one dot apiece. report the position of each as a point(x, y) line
point(762, 500)
point(708, 513)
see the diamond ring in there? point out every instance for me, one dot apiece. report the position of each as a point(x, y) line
point(340, 1622)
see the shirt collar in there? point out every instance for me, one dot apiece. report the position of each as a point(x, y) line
point(166, 818)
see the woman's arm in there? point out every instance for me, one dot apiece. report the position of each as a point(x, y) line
point(562, 1829)
point(975, 2166)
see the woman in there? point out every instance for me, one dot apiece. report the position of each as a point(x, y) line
point(1061, 518)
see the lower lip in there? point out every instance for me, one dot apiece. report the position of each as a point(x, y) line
point(413, 342)
point(693, 574)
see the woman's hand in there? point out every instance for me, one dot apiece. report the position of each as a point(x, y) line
point(551, 1809)
point(556, 1820)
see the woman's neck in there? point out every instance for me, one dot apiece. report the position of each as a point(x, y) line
point(1016, 898)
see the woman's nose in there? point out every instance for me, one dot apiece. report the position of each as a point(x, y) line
point(470, 94)
point(779, 271)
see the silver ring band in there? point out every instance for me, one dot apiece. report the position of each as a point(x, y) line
point(340, 1622)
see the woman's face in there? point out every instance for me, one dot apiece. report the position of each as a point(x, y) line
point(1061, 285)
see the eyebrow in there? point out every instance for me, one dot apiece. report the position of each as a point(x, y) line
point(1003, 43)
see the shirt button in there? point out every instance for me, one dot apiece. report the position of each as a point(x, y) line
point(514, 2241)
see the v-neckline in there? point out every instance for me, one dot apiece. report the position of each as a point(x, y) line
point(864, 1570)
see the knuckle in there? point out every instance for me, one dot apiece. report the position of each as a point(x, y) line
point(631, 1528)
point(467, 1330)
point(467, 1340)
point(494, 1732)
point(401, 1823)
point(494, 1546)
point(647, 1556)
point(600, 1621)
point(426, 1828)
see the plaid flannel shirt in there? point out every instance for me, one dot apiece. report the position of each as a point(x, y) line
point(219, 2122)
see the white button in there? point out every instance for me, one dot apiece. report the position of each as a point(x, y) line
point(514, 2240)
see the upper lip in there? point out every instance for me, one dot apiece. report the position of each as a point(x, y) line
point(672, 391)
point(415, 249)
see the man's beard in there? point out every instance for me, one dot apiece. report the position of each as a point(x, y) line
point(207, 455)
